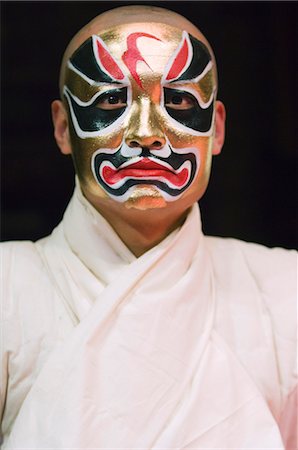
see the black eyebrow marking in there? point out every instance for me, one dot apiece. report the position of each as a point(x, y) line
point(84, 61)
point(200, 59)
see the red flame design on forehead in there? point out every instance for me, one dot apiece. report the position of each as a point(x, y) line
point(108, 62)
point(132, 55)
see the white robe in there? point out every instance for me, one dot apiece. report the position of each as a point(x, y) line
point(190, 346)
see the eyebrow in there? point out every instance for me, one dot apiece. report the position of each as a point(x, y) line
point(200, 63)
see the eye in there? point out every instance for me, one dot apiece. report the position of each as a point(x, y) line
point(111, 100)
point(179, 100)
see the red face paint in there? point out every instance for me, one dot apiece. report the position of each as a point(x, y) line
point(108, 63)
point(180, 62)
point(145, 169)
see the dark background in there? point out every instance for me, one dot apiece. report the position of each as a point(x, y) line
point(252, 189)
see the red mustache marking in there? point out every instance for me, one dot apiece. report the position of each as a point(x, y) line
point(132, 55)
point(179, 62)
point(108, 62)
point(144, 169)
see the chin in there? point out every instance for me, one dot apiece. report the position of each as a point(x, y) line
point(145, 197)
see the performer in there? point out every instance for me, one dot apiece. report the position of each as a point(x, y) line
point(128, 328)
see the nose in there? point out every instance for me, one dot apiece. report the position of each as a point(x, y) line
point(144, 129)
point(152, 142)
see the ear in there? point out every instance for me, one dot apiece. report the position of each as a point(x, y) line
point(219, 132)
point(61, 131)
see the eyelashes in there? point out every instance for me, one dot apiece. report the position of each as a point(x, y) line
point(178, 100)
point(112, 100)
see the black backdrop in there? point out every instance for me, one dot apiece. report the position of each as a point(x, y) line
point(252, 189)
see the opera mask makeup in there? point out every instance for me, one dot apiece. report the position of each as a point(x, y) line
point(141, 103)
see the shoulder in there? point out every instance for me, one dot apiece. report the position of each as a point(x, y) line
point(252, 273)
point(33, 322)
point(270, 268)
point(21, 265)
point(32, 312)
point(26, 287)
point(19, 252)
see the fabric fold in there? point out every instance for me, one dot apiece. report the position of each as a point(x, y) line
point(143, 359)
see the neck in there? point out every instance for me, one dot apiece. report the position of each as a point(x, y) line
point(140, 230)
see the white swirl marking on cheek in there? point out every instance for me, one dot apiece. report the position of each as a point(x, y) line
point(130, 152)
point(165, 152)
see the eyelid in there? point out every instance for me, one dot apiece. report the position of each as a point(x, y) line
point(193, 92)
point(103, 100)
point(183, 93)
point(110, 93)
point(95, 96)
point(183, 90)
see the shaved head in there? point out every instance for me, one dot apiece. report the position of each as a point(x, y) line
point(126, 15)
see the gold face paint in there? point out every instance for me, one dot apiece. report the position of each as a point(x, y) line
point(141, 103)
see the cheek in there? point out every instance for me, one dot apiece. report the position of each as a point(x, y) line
point(181, 139)
point(205, 150)
point(203, 144)
point(83, 149)
point(200, 182)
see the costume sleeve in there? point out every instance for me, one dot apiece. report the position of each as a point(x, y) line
point(278, 284)
point(288, 422)
point(275, 271)
point(20, 276)
point(256, 315)
point(33, 322)
point(5, 264)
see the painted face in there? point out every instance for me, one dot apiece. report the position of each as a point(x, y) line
point(141, 104)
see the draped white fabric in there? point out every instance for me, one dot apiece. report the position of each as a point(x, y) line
point(144, 366)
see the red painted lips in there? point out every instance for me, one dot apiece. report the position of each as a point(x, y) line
point(147, 169)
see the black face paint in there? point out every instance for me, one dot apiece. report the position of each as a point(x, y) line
point(197, 118)
point(94, 118)
point(117, 160)
point(84, 61)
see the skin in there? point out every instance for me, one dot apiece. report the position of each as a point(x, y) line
point(147, 221)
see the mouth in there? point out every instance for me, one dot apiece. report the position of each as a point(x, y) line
point(118, 173)
point(147, 169)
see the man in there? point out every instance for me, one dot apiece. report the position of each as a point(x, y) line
point(127, 328)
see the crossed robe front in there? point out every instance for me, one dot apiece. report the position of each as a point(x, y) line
point(190, 346)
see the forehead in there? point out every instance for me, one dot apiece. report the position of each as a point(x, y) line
point(140, 54)
point(154, 42)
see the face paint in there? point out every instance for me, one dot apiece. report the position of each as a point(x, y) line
point(132, 56)
point(170, 170)
point(141, 105)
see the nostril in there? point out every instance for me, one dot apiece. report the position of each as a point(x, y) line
point(157, 144)
point(134, 144)
point(145, 143)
